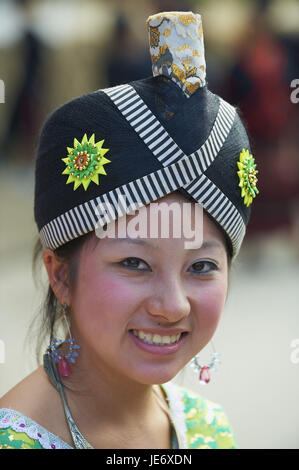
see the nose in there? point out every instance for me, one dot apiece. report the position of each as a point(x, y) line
point(169, 302)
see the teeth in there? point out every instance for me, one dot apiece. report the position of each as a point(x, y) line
point(156, 339)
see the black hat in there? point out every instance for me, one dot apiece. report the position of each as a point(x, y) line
point(137, 142)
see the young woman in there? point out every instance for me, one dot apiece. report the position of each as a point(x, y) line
point(136, 308)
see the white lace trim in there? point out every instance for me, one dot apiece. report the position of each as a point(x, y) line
point(177, 412)
point(20, 423)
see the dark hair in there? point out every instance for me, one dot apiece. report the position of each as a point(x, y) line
point(50, 309)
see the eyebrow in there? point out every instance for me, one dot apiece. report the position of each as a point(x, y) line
point(139, 241)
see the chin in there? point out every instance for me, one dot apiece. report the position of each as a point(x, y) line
point(156, 377)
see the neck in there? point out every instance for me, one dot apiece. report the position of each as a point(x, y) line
point(98, 395)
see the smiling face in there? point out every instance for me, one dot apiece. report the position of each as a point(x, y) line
point(127, 289)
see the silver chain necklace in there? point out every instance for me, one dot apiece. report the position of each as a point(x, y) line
point(79, 440)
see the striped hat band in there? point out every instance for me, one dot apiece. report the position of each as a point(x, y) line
point(178, 171)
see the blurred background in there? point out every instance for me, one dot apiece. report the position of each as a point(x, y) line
point(52, 51)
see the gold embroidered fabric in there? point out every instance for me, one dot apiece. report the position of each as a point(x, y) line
point(177, 49)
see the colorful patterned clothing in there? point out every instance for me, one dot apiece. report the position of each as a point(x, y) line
point(198, 423)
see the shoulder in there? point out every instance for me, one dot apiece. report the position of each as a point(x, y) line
point(30, 395)
point(26, 420)
point(206, 422)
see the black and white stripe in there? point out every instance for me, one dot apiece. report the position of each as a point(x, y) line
point(167, 151)
point(145, 123)
point(220, 207)
point(115, 203)
point(179, 171)
point(157, 138)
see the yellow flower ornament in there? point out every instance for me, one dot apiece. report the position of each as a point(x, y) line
point(247, 176)
point(85, 162)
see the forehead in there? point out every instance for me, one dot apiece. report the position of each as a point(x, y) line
point(172, 220)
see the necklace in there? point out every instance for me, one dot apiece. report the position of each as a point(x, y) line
point(79, 440)
point(166, 409)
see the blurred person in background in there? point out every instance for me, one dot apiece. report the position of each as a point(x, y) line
point(127, 58)
point(18, 141)
point(259, 83)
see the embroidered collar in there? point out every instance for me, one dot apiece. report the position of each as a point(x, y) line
point(19, 423)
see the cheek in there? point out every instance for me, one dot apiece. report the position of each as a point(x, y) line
point(211, 301)
point(104, 302)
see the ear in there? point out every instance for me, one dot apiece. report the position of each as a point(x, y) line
point(58, 276)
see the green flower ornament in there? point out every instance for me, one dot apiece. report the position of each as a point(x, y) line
point(85, 162)
point(247, 176)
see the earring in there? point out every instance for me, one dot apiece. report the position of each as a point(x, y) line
point(204, 371)
point(63, 360)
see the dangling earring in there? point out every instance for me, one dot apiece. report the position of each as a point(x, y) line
point(63, 361)
point(204, 371)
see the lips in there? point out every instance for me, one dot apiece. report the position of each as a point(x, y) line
point(161, 347)
point(158, 339)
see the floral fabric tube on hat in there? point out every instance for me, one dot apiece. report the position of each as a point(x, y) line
point(177, 49)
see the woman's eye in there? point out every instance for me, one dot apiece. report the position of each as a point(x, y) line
point(205, 267)
point(201, 267)
point(133, 263)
